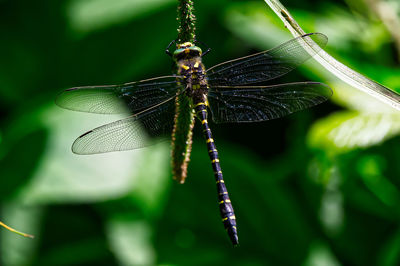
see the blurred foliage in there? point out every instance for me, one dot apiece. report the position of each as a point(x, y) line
point(320, 187)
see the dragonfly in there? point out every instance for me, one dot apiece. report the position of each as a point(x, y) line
point(166, 107)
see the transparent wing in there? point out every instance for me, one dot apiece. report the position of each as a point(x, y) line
point(261, 103)
point(266, 65)
point(138, 131)
point(115, 99)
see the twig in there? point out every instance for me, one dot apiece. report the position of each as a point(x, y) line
point(15, 231)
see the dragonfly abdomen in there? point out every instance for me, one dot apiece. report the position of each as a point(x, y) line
point(225, 205)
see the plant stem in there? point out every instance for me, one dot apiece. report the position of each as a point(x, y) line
point(15, 231)
point(184, 116)
point(187, 20)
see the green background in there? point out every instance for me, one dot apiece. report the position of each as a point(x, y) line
point(319, 187)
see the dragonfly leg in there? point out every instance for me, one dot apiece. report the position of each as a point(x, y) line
point(169, 45)
point(225, 205)
point(206, 51)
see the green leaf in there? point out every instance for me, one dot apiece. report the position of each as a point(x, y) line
point(62, 176)
point(321, 254)
point(348, 130)
point(370, 170)
point(250, 22)
point(130, 241)
point(389, 254)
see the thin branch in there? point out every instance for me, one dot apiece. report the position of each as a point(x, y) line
point(15, 231)
point(343, 72)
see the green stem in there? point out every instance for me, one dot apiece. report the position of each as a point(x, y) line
point(15, 231)
point(187, 20)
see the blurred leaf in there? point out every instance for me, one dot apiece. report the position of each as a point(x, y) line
point(250, 22)
point(79, 252)
point(389, 254)
point(321, 255)
point(347, 26)
point(332, 214)
point(90, 15)
point(153, 182)
point(17, 173)
point(370, 169)
point(63, 176)
point(344, 131)
point(130, 241)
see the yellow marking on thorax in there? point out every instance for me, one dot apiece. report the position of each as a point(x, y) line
point(196, 65)
point(185, 67)
point(185, 44)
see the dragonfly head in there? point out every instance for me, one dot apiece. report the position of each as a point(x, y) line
point(186, 50)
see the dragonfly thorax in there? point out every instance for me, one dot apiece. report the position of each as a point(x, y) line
point(186, 50)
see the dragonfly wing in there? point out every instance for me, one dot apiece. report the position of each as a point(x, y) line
point(115, 99)
point(266, 65)
point(137, 131)
point(261, 103)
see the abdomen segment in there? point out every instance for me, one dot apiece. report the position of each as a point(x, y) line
point(225, 205)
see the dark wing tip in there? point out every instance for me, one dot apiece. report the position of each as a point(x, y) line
point(319, 38)
point(325, 91)
point(77, 145)
point(84, 134)
point(71, 89)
